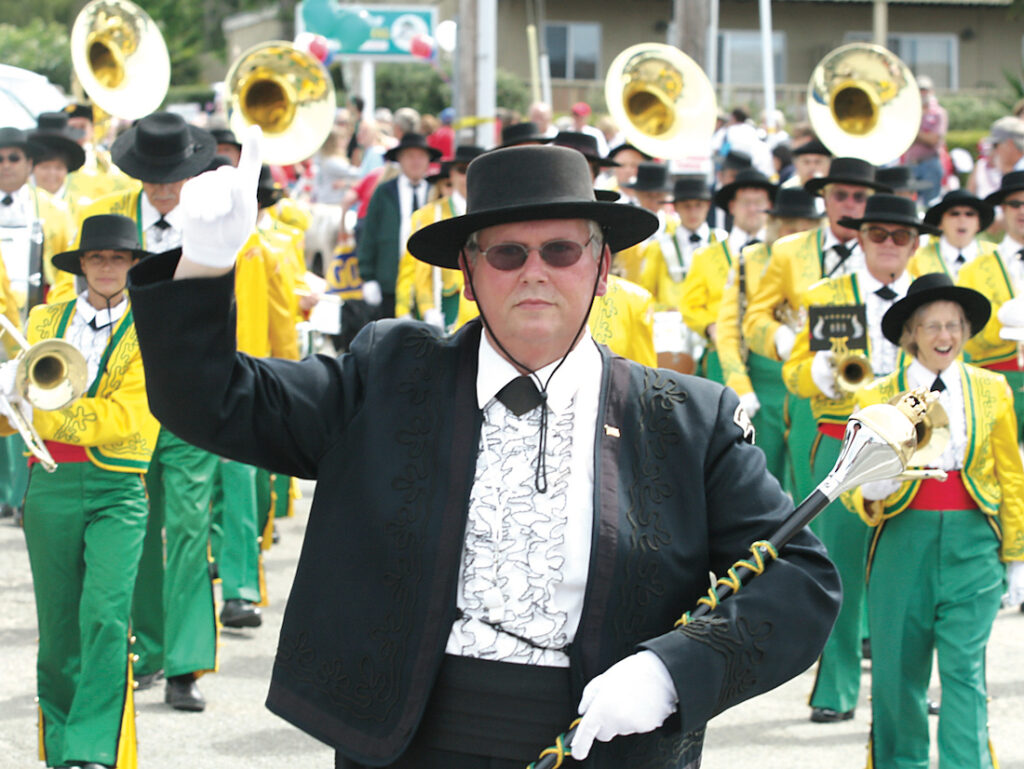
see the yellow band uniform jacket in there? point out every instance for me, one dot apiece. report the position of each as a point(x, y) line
point(112, 420)
point(987, 273)
point(629, 262)
point(729, 338)
point(623, 319)
point(265, 323)
point(992, 471)
point(658, 278)
point(928, 258)
point(702, 289)
point(290, 241)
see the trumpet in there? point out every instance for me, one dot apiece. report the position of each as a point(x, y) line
point(49, 375)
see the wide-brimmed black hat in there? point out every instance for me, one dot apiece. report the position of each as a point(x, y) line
point(735, 160)
point(583, 143)
point(794, 203)
point(526, 132)
point(1011, 182)
point(412, 140)
point(885, 208)
point(225, 136)
point(748, 177)
point(15, 137)
point(444, 171)
point(80, 109)
point(519, 184)
point(690, 187)
point(847, 171)
point(812, 146)
point(626, 146)
point(900, 178)
point(99, 233)
point(162, 148)
point(650, 177)
point(954, 198)
point(934, 287)
point(467, 153)
point(52, 137)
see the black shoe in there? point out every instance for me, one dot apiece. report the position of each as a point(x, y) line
point(19, 518)
point(146, 681)
point(239, 613)
point(829, 716)
point(182, 693)
point(865, 648)
point(6, 510)
point(933, 708)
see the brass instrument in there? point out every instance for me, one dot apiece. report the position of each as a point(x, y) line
point(49, 375)
point(853, 370)
point(932, 433)
point(661, 100)
point(863, 101)
point(286, 92)
point(120, 58)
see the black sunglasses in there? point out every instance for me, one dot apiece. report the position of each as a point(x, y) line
point(512, 256)
point(12, 157)
point(880, 235)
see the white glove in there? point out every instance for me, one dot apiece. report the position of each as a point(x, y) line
point(879, 489)
point(784, 339)
point(634, 695)
point(371, 293)
point(12, 400)
point(750, 403)
point(823, 373)
point(219, 208)
point(1011, 316)
point(1015, 579)
point(434, 317)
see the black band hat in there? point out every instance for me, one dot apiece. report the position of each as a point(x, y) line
point(794, 203)
point(690, 187)
point(416, 141)
point(1011, 182)
point(935, 287)
point(853, 171)
point(444, 171)
point(585, 144)
point(650, 177)
point(225, 136)
point(268, 191)
point(519, 184)
point(736, 161)
point(162, 148)
point(627, 146)
point(15, 137)
point(747, 178)
point(526, 132)
point(52, 138)
point(954, 198)
point(467, 153)
point(812, 147)
point(100, 233)
point(885, 208)
point(900, 178)
point(79, 109)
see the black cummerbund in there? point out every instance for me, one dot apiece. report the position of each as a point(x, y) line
point(498, 709)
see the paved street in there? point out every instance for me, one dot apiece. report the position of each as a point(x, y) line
point(236, 731)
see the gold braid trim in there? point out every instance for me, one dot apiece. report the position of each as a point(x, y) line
point(558, 750)
point(732, 580)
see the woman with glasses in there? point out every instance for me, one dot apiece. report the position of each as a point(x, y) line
point(939, 549)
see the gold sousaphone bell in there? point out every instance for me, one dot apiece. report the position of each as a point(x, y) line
point(863, 102)
point(288, 93)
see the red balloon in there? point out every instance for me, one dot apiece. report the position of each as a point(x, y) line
point(422, 46)
point(318, 47)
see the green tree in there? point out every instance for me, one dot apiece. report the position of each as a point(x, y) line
point(40, 46)
point(413, 84)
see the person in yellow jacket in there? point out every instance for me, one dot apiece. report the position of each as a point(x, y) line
point(756, 378)
point(648, 190)
point(746, 199)
point(940, 550)
point(888, 235)
point(962, 218)
point(85, 522)
point(57, 156)
point(98, 176)
point(623, 319)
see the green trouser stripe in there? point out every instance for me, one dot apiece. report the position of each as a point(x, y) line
point(238, 559)
point(13, 470)
point(84, 529)
point(769, 423)
point(173, 612)
point(803, 431)
point(846, 538)
point(936, 583)
point(710, 367)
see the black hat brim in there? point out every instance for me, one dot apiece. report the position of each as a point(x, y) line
point(439, 243)
point(815, 185)
point(986, 213)
point(146, 170)
point(71, 261)
point(393, 153)
point(883, 217)
point(725, 195)
point(976, 307)
point(53, 143)
point(997, 197)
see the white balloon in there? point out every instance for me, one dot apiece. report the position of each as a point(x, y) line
point(446, 34)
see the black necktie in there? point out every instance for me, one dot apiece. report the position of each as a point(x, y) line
point(843, 253)
point(938, 385)
point(886, 293)
point(415, 197)
point(162, 224)
point(520, 396)
point(752, 242)
point(8, 200)
point(694, 237)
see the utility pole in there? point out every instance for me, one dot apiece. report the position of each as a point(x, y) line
point(691, 19)
point(466, 52)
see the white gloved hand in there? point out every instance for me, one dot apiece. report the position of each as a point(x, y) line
point(434, 317)
point(879, 489)
point(8, 375)
point(219, 208)
point(1011, 316)
point(371, 293)
point(635, 695)
point(823, 373)
point(1015, 580)
point(750, 403)
point(11, 399)
point(784, 339)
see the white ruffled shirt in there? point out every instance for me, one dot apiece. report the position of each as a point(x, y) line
point(89, 341)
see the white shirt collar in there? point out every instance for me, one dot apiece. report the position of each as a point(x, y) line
point(1008, 247)
point(151, 216)
point(950, 252)
point(104, 317)
point(870, 284)
point(831, 240)
point(494, 372)
point(458, 203)
point(919, 376)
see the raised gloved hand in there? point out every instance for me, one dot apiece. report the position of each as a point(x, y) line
point(12, 399)
point(823, 373)
point(434, 317)
point(879, 489)
point(634, 695)
point(1015, 578)
point(784, 339)
point(750, 403)
point(219, 208)
point(371, 293)
point(1011, 316)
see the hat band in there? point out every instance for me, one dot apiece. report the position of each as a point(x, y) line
point(168, 160)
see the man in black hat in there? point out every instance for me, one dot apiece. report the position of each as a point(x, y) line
point(629, 159)
point(524, 132)
point(648, 187)
point(961, 217)
point(386, 225)
point(58, 155)
point(227, 144)
point(888, 235)
point(900, 179)
point(508, 547)
point(811, 160)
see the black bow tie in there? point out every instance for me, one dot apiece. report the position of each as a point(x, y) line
point(520, 396)
point(162, 224)
point(694, 237)
point(938, 385)
point(841, 251)
point(7, 200)
point(1020, 254)
point(960, 258)
point(752, 242)
point(886, 293)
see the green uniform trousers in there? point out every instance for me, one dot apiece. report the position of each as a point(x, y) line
point(282, 485)
point(235, 507)
point(769, 422)
point(710, 367)
point(801, 433)
point(84, 528)
point(846, 537)
point(13, 470)
point(173, 610)
point(935, 583)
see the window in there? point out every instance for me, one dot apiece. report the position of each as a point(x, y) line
point(739, 57)
point(935, 55)
point(574, 50)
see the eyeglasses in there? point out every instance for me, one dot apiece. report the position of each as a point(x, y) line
point(12, 157)
point(840, 196)
point(880, 235)
point(96, 258)
point(556, 253)
point(1014, 204)
point(935, 328)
